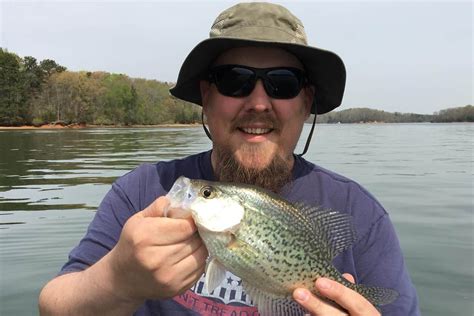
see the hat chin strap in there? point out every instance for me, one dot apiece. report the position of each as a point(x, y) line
point(308, 141)
point(306, 146)
point(204, 126)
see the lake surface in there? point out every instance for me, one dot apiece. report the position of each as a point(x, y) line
point(51, 182)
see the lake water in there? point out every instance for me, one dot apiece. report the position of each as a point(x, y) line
point(51, 181)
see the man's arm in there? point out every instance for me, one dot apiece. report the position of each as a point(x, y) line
point(87, 292)
point(155, 258)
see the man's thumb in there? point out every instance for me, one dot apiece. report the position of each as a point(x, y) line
point(157, 208)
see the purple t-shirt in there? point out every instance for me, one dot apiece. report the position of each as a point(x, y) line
point(374, 259)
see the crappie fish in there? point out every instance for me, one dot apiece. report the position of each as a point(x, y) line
point(273, 245)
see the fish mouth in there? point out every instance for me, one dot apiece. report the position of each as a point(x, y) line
point(181, 194)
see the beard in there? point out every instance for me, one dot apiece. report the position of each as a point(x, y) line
point(274, 176)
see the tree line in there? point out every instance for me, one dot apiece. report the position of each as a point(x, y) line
point(37, 93)
point(366, 115)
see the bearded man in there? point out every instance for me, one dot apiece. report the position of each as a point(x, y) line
point(257, 81)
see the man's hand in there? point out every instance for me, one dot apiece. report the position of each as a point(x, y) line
point(156, 257)
point(353, 303)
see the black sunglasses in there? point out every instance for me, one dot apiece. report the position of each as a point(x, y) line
point(239, 81)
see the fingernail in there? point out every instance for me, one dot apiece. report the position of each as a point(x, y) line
point(324, 284)
point(301, 295)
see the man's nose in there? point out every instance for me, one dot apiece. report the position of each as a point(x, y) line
point(258, 100)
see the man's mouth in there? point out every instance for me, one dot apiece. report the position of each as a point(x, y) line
point(255, 131)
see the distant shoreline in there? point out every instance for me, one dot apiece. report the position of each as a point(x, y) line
point(84, 126)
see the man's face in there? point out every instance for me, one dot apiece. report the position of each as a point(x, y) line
point(256, 129)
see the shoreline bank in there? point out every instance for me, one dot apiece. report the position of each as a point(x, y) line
point(83, 126)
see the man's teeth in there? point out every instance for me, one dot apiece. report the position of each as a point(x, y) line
point(256, 131)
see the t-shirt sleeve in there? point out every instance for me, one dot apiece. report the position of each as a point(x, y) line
point(102, 233)
point(379, 260)
point(129, 194)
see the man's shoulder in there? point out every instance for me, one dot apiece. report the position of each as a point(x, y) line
point(166, 171)
point(330, 190)
point(312, 170)
point(325, 174)
point(336, 191)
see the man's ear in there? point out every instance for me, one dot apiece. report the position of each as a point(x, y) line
point(204, 86)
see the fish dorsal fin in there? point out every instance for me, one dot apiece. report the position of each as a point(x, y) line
point(269, 305)
point(215, 274)
point(333, 227)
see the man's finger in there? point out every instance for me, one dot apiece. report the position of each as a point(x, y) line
point(315, 305)
point(157, 207)
point(186, 249)
point(349, 277)
point(177, 213)
point(195, 263)
point(352, 301)
point(167, 231)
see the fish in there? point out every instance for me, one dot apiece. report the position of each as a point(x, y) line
point(273, 245)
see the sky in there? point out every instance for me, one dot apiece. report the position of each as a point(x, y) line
point(400, 56)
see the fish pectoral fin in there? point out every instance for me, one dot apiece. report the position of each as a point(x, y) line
point(215, 274)
point(234, 242)
point(271, 305)
point(241, 246)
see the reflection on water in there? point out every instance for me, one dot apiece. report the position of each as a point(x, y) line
point(51, 181)
point(72, 169)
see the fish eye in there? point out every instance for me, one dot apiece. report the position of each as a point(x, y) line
point(207, 192)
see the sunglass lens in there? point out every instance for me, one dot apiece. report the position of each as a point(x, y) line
point(283, 83)
point(239, 81)
point(234, 81)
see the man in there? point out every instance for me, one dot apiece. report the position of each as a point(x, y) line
point(257, 81)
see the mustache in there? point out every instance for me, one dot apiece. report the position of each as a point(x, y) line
point(261, 118)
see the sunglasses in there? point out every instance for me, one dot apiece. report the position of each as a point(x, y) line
point(239, 81)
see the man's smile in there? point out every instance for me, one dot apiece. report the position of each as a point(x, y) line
point(255, 130)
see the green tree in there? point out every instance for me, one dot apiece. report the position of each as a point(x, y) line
point(458, 114)
point(33, 75)
point(130, 105)
point(49, 67)
point(12, 93)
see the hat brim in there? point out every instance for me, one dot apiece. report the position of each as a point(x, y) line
point(325, 70)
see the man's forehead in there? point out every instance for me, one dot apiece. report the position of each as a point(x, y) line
point(261, 57)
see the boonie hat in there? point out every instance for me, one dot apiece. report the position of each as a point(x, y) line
point(268, 25)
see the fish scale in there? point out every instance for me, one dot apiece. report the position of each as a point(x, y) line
point(273, 245)
point(291, 245)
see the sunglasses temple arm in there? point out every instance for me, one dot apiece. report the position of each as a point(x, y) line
point(309, 136)
point(204, 126)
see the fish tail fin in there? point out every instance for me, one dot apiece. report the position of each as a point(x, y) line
point(376, 295)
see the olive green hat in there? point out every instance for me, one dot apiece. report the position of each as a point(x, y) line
point(268, 25)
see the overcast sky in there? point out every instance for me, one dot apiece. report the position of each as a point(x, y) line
point(411, 56)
